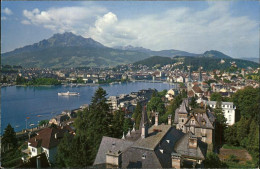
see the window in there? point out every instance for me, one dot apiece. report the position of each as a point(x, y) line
point(144, 156)
point(33, 149)
point(182, 120)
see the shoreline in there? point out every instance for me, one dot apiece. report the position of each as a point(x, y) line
point(91, 84)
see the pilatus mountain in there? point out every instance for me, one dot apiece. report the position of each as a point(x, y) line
point(70, 50)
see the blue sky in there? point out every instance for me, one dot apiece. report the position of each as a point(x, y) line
point(231, 27)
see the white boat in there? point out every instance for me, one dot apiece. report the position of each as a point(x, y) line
point(31, 125)
point(68, 93)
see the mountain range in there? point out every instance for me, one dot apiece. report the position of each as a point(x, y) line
point(70, 50)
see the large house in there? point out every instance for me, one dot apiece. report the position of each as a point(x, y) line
point(156, 146)
point(46, 141)
point(200, 122)
point(228, 108)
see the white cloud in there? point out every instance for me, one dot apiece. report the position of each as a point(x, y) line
point(7, 11)
point(25, 22)
point(182, 28)
point(3, 18)
point(65, 18)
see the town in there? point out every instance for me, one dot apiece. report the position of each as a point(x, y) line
point(193, 125)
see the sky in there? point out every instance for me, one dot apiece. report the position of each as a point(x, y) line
point(231, 27)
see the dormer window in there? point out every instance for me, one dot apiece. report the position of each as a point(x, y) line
point(161, 150)
point(168, 141)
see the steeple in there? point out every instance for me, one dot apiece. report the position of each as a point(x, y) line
point(189, 78)
point(183, 108)
point(200, 75)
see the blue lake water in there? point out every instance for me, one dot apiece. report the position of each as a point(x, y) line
point(17, 103)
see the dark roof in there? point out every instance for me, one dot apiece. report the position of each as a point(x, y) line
point(110, 144)
point(182, 147)
point(200, 117)
point(155, 135)
point(140, 158)
point(31, 163)
point(46, 137)
point(157, 149)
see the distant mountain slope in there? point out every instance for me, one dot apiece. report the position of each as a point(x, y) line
point(215, 54)
point(155, 60)
point(165, 53)
point(69, 50)
point(256, 60)
point(208, 63)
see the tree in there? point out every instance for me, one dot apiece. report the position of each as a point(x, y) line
point(193, 103)
point(127, 125)
point(73, 152)
point(9, 139)
point(243, 127)
point(98, 121)
point(230, 134)
point(220, 124)
point(137, 115)
point(215, 96)
point(156, 104)
point(247, 102)
point(117, 123)
point(212, 161)
point(43, 122)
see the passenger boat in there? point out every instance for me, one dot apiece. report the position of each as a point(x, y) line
point(68, 93)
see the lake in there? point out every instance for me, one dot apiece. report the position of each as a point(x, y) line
point(39, 103)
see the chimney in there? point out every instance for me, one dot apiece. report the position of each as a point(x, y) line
point(193, 142)
point(176, 160)
point(114, 159)
point(38, 162)
point(156, 118)
point(170, 119)
point(144, 124)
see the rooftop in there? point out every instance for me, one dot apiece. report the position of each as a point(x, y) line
point(155, 135)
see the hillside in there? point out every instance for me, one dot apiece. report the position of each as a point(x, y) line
point(155, 60)
point(208, 63)
point(69, 50)
point(165, 53)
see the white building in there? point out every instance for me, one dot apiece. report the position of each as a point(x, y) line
point(228, 108)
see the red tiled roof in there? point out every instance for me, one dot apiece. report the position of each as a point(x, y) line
point(190, 93)
point(197, 89)
point(46, 137)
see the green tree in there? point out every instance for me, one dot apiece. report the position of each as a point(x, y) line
point(156, 104)
point(220, 124)
point(127, 125)
point(117, 123)
point(215, 96)
point(9, 139)
point(194, 103)
point(243, 127)
point(212, 161)
point(247, 102)
point(98, 120)
point(73, 152)
point(137, 115)
point(230, 134)
point(43, 122)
